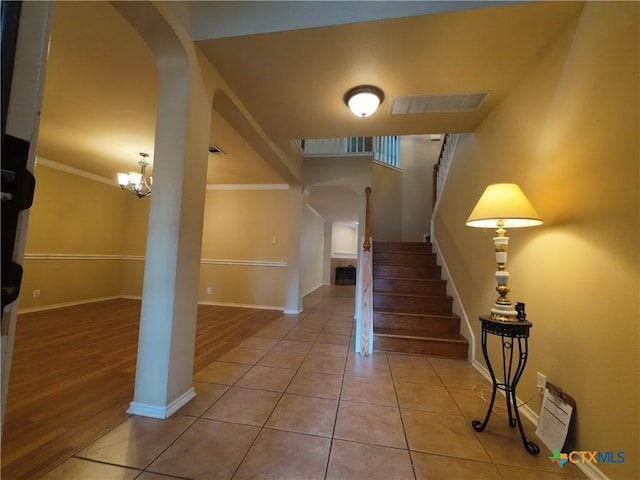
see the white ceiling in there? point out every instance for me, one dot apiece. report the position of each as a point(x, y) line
point(101, 86)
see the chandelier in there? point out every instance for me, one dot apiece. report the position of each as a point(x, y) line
point(135, 182)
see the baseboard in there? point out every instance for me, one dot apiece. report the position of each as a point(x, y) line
point(161, 412)
point(590, 471)
point(243, 305)
point(293, 312)
point(135, 297)
point(66, 304)
point(465, 326)
point(313, 289)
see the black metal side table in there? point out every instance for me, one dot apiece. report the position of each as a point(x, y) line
point(511, 333)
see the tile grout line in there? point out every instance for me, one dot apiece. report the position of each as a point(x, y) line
point(263, 427)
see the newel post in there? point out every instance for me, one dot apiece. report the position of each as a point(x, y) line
point(366, 265)
point(366, 245)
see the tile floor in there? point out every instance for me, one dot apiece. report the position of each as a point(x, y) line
point(295, 402)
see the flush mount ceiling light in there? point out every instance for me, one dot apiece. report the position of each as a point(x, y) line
point(135, 182)
point(363, 100)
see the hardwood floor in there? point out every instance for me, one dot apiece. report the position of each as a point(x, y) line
point(73, 372)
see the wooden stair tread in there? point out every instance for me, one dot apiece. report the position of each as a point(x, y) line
point(410, 294)
point(406, 252)
point(415, 334)
point(412, 312)
point(402, 312)
point(430, 280)
point(400, 264)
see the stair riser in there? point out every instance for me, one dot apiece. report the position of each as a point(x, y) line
point(401, 247)
point(412, 304)
point(409, 286)
point(419, 346)
point(429, 326)
point(401, 271)
point(391, 258)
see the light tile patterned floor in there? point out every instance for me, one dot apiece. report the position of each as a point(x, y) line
point(295, 402)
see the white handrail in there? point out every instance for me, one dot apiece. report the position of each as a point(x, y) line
point(444, 162)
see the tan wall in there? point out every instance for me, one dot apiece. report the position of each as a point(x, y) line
point(95, 238)
point(241, 224)
point(72, 221)
point(245, 226)
point(311, 251)
point(568, 134)
point(418, 154)
point(73, 215)
point(386, 203)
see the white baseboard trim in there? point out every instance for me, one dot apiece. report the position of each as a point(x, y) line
point(137, 297)
point(590, 471)
point(161, 412)
point(243, 305)
point(66, 304)
point(293, 312)
point(465, 326)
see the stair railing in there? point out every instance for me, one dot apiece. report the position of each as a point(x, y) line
point(387, 150)
point(441, 168)
point(384, 149)
point(365, 308)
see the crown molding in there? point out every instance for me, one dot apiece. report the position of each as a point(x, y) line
point(75, 171)
point(248, 186)
point(112, 182)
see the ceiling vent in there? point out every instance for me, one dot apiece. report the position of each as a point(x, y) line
point(216, 150)
point(457, 102)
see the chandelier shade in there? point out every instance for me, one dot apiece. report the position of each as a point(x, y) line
point(136, 182)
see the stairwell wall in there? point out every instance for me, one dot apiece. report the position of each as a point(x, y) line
point(418, 154)
point(568, 134)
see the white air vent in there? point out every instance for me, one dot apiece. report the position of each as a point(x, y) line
point(457, 102)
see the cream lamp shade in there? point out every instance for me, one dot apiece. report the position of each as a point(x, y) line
point(505, 202)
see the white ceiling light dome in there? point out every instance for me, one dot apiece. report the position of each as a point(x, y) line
point(363, 100)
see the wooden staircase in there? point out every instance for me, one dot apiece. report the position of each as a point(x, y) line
point(411, 310)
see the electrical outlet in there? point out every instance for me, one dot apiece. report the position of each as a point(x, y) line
point(541, 382)
point(36, 293)
point(208, 290)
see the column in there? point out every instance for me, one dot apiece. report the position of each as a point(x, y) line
point(166, 345)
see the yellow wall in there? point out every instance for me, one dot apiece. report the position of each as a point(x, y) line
point(245, 226)
point(76, 226)
point(241, 224)
point(418, 155)
point(312, 250)
point(89, 241)
point(568, 134)
point(386, 203)
point(73, 215)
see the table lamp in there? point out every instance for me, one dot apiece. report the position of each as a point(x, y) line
point(503, 205)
